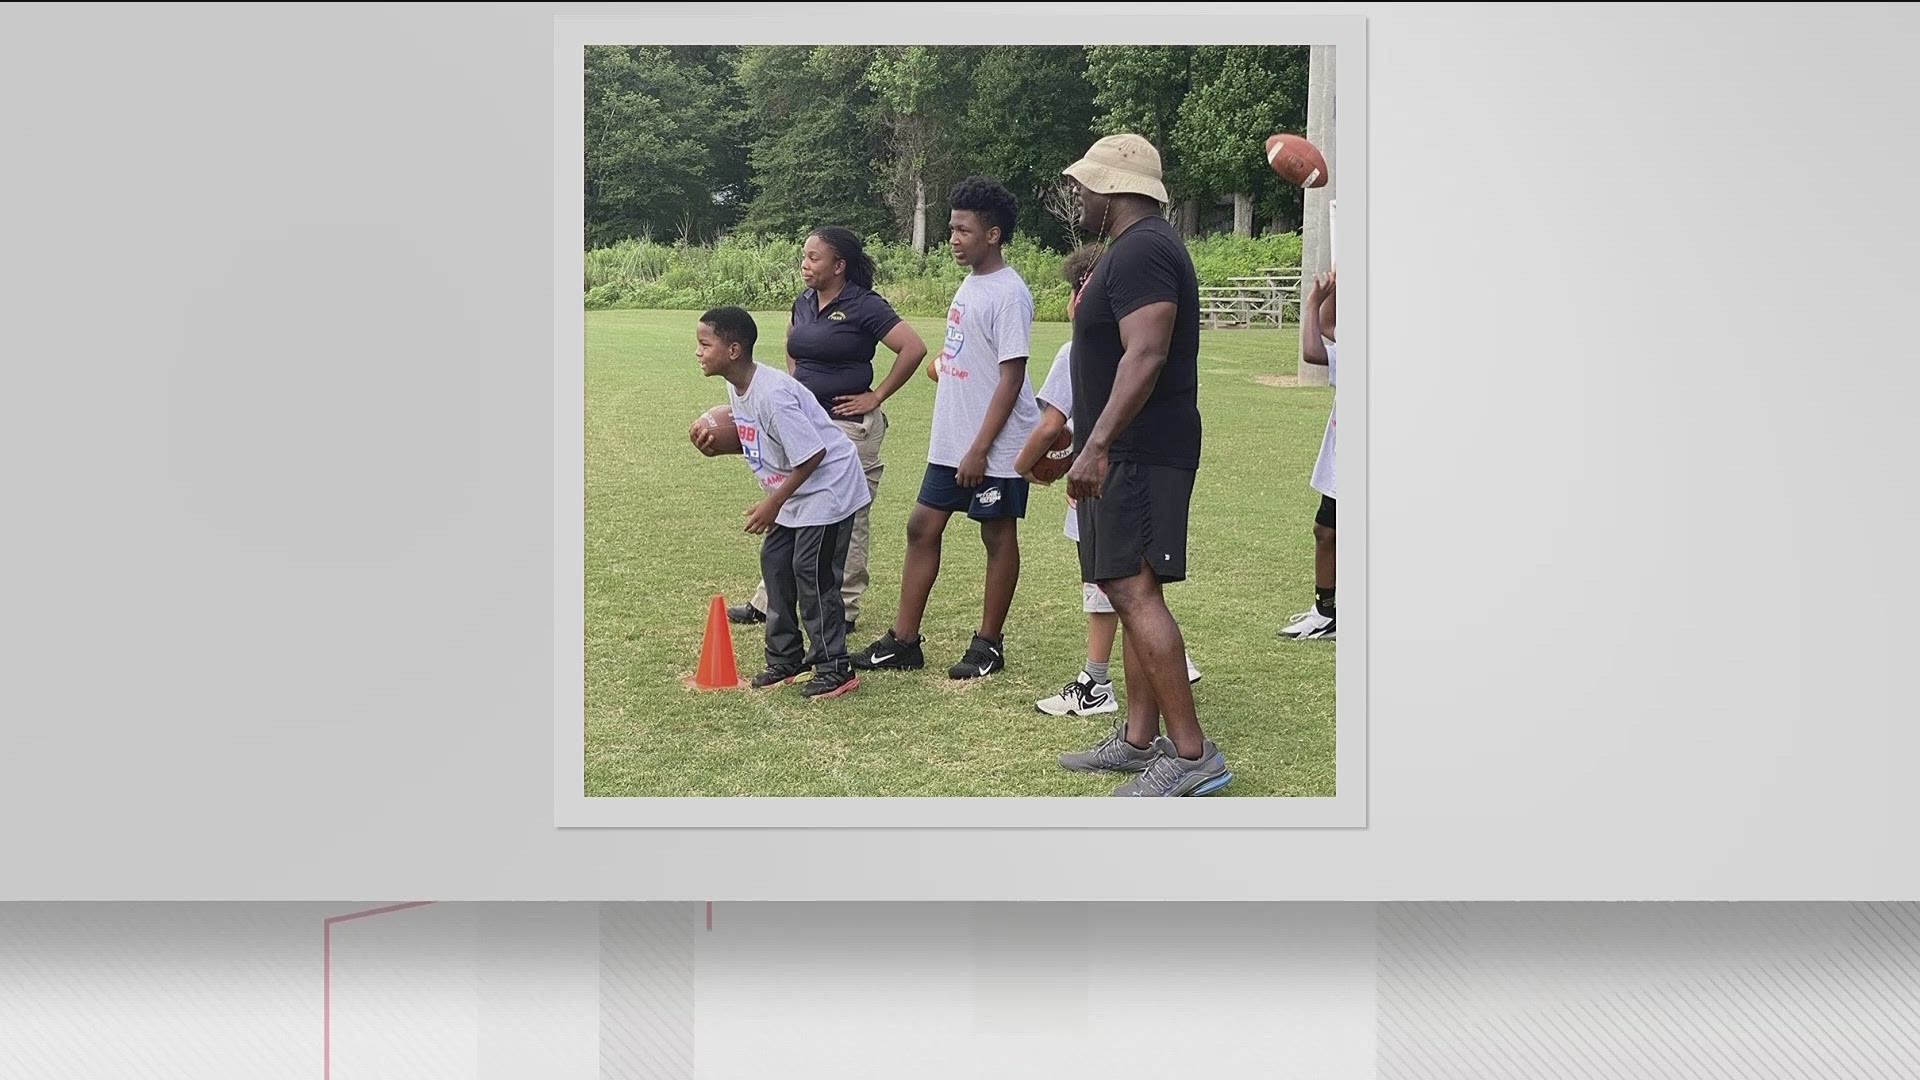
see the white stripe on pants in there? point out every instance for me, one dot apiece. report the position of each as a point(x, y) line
point(803, 569)
point(867, 434)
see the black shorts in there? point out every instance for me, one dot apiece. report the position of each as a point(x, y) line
point(1325, 516)
point(1141, 518)
point(997, 496)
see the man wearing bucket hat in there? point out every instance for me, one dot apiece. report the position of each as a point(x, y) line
point(1136, 424)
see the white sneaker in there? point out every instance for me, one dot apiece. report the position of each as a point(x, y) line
point(1081, 697)
point(1309, 625)
point(1193, 673)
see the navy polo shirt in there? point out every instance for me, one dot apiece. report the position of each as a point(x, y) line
point(833, 349)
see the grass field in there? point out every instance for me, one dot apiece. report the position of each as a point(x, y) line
point(664, 535)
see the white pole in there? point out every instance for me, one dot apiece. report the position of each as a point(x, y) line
point(1316, 255)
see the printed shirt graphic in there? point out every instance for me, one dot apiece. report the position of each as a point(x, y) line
point(780, 425)
point(1057, 391)
point(989, 321)
point(1323, 470)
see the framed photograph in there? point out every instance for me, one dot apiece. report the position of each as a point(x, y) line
point(947, 433)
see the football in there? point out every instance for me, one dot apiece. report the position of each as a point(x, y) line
point(1296, 160)
point(1058, 461)
point(719, 421)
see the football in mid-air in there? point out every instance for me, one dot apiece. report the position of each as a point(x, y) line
point(1058, 460)
point(1296, 160)
point(719, 421)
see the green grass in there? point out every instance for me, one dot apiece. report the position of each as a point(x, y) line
point(664, 535)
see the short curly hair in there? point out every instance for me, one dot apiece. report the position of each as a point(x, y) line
point(1080, 263)
point(990, 199)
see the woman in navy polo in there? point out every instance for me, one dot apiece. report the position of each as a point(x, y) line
point(837, 325)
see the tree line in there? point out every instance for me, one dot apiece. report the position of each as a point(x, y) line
point(692, 143)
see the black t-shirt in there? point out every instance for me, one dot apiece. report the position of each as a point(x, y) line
point(1148, 264)
point(833, 349)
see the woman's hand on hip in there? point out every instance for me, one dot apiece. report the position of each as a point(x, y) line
point(856, 405)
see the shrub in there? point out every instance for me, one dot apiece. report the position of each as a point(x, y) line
point(763, 274)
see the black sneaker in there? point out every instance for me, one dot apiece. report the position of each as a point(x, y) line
point(890, 654)
point(983, 658)
point(745, 615)
point(831, 684)
point(778, 673)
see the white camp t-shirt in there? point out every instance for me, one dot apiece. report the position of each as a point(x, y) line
point(989, 321)
point(781, 425)
point(1323, 466)
point(1057, 391)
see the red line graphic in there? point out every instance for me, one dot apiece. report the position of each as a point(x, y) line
point(326, 968)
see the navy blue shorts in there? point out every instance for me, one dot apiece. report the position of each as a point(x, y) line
point(997, 496)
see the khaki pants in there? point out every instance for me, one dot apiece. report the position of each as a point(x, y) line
point(867, 434)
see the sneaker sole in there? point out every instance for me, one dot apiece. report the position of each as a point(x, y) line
point(963, 677)
point(888, 666)
point(1112, 707)
point(1205, 787)
point(844, 688)
point(1210, 786)
point(1095, 770)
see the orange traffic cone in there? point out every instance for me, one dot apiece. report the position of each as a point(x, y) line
point(717, 670)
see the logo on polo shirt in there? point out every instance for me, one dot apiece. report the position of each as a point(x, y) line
point(838, 316)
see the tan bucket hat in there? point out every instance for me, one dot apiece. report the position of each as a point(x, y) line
point(1121, 163)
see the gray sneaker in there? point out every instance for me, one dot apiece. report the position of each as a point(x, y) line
point(1113, 754)
point(1171, 776)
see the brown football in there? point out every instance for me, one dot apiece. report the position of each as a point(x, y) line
point(1058, 460)
point(719, 420)
point(1296, 160)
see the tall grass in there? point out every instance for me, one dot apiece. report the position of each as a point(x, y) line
point(764, 275)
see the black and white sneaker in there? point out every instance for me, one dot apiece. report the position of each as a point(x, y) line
point(1310, 625)
point(890, 654)
point(983, 658)
point(779, 673)
point(830, 684)
point(1081, 697)
point(745, 615)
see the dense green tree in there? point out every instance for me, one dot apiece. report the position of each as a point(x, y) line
point(690, 142)
point(920, 92)
point(662, 137)
point(1240, 96)
point(816, 134)
point(1028, 116)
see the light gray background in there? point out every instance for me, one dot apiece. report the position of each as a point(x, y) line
point(277, 419)
point(587, 991)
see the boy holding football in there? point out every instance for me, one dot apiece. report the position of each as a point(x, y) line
point(814, 486)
